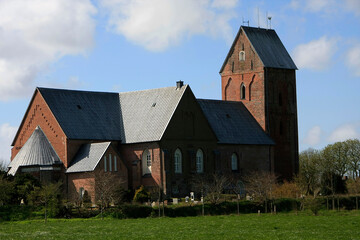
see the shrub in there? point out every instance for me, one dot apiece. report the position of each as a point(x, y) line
point(314, 204)
point(286, 204)
point(141, 195)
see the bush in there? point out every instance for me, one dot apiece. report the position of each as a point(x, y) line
point(141, 195)
point(286, 204)
point(15, 213)
point(132, 211)
point(314, 204)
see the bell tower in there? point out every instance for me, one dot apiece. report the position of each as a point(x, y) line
point(259, 72)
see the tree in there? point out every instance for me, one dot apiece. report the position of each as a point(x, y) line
point(309, 177)
point(7, 188)
point(260, 185)
point(48, 193)
point(353, 146)
point(106, 186)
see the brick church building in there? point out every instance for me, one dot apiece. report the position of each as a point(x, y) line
point(165, 137)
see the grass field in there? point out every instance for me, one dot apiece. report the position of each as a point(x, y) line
point(329, 225)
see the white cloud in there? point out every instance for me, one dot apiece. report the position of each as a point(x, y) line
point(158, 24)
point(224, 3)
point(318, 5)
point(344, 132)
point(7, 134)
point(313, 136)
point(353, 6)
point(353, 59)
point(34, 34)
point(315, 55)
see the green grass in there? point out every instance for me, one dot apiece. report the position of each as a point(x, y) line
point(329, 225)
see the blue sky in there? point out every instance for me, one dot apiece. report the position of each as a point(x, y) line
point(128, 45)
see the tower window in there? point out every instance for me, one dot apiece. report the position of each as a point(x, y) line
point(241, 56)
point(232, 67)
point(252, 65)
point(242, 47)
point(243, 91)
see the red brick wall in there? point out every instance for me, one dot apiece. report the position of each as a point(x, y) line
point(39, 114)
point(132, 154)
point(236, 73)
point(87, 180)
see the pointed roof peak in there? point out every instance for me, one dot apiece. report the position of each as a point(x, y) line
point(37, 151)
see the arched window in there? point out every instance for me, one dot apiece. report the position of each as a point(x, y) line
point(243, 91)
point(199, 161)
point(234, 162)
point(241, 56)
point(178, 161)
point(146, 162)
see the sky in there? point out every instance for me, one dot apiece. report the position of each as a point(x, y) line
point(129, 45)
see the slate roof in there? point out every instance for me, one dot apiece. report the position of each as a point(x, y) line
point(88, 157)
point(37, 151)
point(233, 123)
point(146, 114)
point(129, 117)
point(268, 47)
point(85, 114)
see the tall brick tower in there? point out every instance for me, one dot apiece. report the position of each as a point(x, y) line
point(259, 72)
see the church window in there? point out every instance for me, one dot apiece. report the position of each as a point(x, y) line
point(110, 163)
point(241, 56)
point(252, 65)
point(232, 67)
point(146, 162)
point(234, 162)
point(105, 164)
point(115, 164)
point(250, 87)
point(178, 161)
point(243, 91)
point(242, 47)
point(199, 161)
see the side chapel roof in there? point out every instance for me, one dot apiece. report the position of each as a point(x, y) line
point(37, 151)
point(88, 157)
point(268, 46)
point(233, 123)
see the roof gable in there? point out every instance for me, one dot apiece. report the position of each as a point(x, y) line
point(268, 47)
point(37, 151)
point(146, 114)
point(84, 114)
point(233, 123)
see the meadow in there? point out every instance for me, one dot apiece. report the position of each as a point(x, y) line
point(302, 225)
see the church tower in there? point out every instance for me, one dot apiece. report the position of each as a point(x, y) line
point(259, 72)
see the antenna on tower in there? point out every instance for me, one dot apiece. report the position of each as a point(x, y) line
point(269, 21)
point(245, 21)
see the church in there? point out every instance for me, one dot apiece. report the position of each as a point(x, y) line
point(165, 137)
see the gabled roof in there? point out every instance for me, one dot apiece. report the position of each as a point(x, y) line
point(85, 114)
point(233, 123)
point(268, 47)
point(37, 151)
point(146, 114)
point(129, 117)
point(88, 157)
